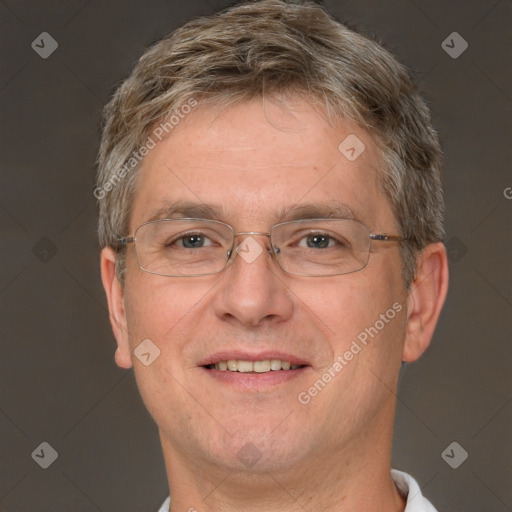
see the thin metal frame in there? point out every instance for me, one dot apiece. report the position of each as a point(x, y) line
point(125, 241)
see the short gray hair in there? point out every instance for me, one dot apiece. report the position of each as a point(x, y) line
point(270, 47)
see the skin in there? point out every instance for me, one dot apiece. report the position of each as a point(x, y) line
point(332, 454)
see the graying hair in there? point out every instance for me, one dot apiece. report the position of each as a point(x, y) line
point(270, 47)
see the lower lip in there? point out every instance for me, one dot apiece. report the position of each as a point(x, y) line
point(255, 381)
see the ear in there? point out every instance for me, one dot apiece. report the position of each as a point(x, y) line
point(115, 299)
point(425, 300)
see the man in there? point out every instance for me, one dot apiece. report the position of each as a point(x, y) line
point(271, 222)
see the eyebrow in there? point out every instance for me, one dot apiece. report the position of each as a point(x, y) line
point(321, 210)
point(187, 209)
point(299, 211)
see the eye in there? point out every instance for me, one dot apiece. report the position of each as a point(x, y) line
point(318, 241)
point(191, 241)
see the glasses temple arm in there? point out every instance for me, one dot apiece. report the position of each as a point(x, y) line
point(387, 238)
point(123, 241)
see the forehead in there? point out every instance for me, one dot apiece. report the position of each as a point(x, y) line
point(256, 161)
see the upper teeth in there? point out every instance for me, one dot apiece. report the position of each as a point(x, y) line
point(238, 365)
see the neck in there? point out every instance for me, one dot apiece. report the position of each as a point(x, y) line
point(352, 479)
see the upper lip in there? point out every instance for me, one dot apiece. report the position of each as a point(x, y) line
point(251, 356)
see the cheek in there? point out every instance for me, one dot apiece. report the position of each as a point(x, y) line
point(352, 309)
point(345, 304)
point(157, 307)
point(355, 384)
point(157, 310)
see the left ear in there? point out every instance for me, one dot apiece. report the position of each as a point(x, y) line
point(425, 300)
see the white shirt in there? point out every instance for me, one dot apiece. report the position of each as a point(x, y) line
point(405, 484)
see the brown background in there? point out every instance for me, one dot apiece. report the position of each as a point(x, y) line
point(59, 383)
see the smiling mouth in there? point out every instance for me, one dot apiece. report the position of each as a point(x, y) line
point(263, 366)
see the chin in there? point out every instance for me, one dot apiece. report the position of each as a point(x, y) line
point(257, 445)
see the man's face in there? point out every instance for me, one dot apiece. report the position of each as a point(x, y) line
point(254, 165)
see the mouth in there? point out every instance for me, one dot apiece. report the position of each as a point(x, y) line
point(254, 371)
point(258, 366)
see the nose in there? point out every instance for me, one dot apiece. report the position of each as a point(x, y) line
point(253, 291)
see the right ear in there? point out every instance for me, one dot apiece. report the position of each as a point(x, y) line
point(115, 299)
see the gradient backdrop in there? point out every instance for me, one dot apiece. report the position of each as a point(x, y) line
point(58, 381)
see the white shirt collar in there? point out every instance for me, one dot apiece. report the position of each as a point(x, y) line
point(165, 505)
point(405, 483)
point(409, 488)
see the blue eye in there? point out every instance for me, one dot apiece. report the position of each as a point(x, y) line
point(318, 241)
point(191, 241)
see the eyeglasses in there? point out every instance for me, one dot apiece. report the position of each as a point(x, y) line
point(188, 247)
